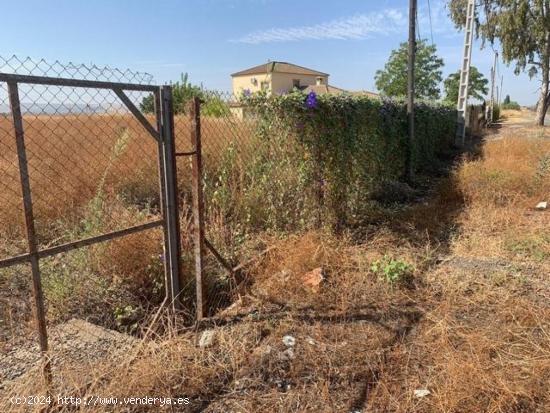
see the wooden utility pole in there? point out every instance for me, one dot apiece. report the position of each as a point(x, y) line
point(462, 104)
point(410, 88)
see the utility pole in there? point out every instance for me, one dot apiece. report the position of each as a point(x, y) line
point(410, 88)
point(462, 104)
point(492, 101)
point(501, 90)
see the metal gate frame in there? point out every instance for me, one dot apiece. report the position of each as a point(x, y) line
point(163, 133)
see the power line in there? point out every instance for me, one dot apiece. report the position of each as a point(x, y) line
point(419, 37)
point(431, 26)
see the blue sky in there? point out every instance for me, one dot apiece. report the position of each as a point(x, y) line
point(210, 39)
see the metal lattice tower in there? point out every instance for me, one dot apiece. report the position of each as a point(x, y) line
point(462, 105)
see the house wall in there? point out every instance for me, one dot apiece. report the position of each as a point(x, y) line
point(241, 83)
point(278, 82)
point(282, 82)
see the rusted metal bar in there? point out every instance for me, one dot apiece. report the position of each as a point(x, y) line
point(39, 311)
point(218, 256)
point(69, 246)
point(186, 153)
point(137, 113)
point(198, 203)
point(55, 81)
point(172, 208)
point(162, 188)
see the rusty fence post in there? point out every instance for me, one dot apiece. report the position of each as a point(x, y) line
point(39, 311)
point(162, 192)
point(198, 204)
point(171, 207)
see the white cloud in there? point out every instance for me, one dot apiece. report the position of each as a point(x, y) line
point(360, 26)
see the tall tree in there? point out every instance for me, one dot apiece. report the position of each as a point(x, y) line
point(392, 80)
point(477, 86)
point(522, 28)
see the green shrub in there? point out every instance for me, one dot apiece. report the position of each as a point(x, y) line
point(391, 270)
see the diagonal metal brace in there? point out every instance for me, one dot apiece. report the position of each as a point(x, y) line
point(137, 113)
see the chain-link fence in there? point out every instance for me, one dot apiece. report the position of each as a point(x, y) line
point(249, 184)
point(273, 164)
point(87, 225)
point(111, 185)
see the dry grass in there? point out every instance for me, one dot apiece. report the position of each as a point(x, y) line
point(485, 343)
point(72, 156)
point(92, 174)
point(473, 327)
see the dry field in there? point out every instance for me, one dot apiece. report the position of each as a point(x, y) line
point(73, 158)
point(467, 316)
point(92, 174)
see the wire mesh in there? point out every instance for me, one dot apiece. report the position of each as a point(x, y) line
point(93, 169)
point(42, 67)
point(251, 184)
point(89, 158)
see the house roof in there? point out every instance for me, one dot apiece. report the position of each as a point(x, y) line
point(366, 93)
point(279, 67)
point(323, 89)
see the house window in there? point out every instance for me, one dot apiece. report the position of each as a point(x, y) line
point(264, 85)
point(296, 83)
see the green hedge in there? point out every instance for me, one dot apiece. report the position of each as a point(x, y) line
point(305, 160)
point(344, 146)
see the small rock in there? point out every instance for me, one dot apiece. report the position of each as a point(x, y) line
point(289, 341)
point(313, 279)
point(421, 393)
point(283, 385)
point(288, 354)
point(207, 338)
point(310, 341)
point(542, 206)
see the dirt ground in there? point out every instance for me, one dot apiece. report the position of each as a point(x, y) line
point(465, 327)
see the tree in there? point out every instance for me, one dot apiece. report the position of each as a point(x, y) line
point(182, 92)
point(392, 80)
point(522, 28)
point(477, 86)
point(506, 100)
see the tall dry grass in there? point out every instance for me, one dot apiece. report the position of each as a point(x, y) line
point(91, 174)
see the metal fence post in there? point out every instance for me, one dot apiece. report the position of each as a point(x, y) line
point(198, 203)
point(39, 311)
point(162, 191)
point(171, 193)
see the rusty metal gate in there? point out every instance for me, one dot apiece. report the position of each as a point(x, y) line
point(26, 171)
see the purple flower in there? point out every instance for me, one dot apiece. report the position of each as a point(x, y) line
point(247, 93)
point(311, 100)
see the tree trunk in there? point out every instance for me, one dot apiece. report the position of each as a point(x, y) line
point(544, 99)
point(542, 106)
